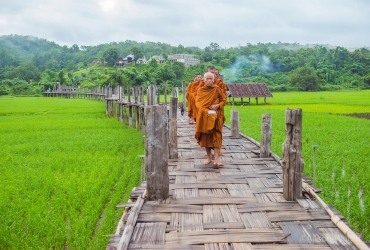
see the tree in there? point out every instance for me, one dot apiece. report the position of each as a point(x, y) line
point(111, 55)
point(305, 78)
point(137, 53)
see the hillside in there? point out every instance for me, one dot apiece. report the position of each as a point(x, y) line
point(27, 62)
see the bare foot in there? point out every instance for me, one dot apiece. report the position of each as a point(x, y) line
point(219, 164)
point(221, 152)
point(206, 162)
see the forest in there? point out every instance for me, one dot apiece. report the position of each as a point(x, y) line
point(31, 65)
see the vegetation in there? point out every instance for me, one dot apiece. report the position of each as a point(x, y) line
point(342, 157)
point(29, 65)
point(64, 167)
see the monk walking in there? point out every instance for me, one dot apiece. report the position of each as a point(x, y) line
point(191, 94)
point(210, 101)
point(190, 100)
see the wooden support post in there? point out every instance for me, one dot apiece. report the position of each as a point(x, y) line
point(174, 93)
point(156, 152)
point(109, 107)
point(256, 100)
point(129, 108)
point(292, 162)
point(120, 104)
point(165, 95)
point(158, 93)
point(142, 94)
point(233, 101)
point(151, 95)
point(183, 94)
point(234, 123)
point(265, 145)
point(172, 127)
point(173, 107)
point(265, 100)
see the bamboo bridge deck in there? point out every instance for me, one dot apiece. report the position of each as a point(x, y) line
point(238, 206)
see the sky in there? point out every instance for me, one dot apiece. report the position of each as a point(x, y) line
point(197, 23)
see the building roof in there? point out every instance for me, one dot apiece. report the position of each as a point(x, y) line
point(238, 90)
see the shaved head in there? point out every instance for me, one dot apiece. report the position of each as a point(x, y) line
point(209, 78)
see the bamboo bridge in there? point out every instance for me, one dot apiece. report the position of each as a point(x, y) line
point(253, 202)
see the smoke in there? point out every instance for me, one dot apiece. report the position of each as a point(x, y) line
point(247, 66)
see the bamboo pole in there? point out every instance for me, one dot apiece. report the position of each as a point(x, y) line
point(337, 221)
point(130, 224)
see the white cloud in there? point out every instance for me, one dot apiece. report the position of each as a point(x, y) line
point(190, 23)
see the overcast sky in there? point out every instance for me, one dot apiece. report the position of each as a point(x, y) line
point(190, 22)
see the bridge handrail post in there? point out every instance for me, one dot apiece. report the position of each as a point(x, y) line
point(234, 123)
point(292, 162)
point(265, 146)
point(156, 152)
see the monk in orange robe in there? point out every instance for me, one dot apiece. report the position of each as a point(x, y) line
point(192, 92)
point(210, 101)
point(190, 100)
point(218, 80)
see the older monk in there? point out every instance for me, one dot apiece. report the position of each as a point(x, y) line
point(210, 101)
point(218, 81)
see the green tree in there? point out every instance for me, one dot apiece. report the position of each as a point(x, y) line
point(305, 78)
point(110, 55)
point(137, 53)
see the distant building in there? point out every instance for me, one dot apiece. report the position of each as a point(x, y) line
point(187, 59)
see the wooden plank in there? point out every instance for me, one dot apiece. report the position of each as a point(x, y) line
point(268, 206)
point(158, 217)
point(302, 233)
point(298, 215)
point(149, 233)
point(215, 201)
point(171, 208)
point(196, 185)
point(291, 247)
point(226, 225)
point(130, 204)
point(230, 236)
point(166, 247)
point(243, 175)
point(255, 220)
point(188, 173)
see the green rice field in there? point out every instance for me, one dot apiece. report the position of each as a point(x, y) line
point(64, 166)
point(342, 158)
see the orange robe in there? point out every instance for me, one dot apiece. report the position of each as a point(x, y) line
point(205, 98)
point(217, 82)
point(190, 99)
point(194, 87)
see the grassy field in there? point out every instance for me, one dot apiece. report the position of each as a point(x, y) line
point(342, 165)
point(64, 166)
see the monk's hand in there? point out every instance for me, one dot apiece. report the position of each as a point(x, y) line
point(215, 106)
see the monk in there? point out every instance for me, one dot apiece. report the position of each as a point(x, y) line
point(218, 80)
point(192, 92)
point(190, 100)
point(210, 101)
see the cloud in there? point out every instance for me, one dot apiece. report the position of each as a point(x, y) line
point(190, 23)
